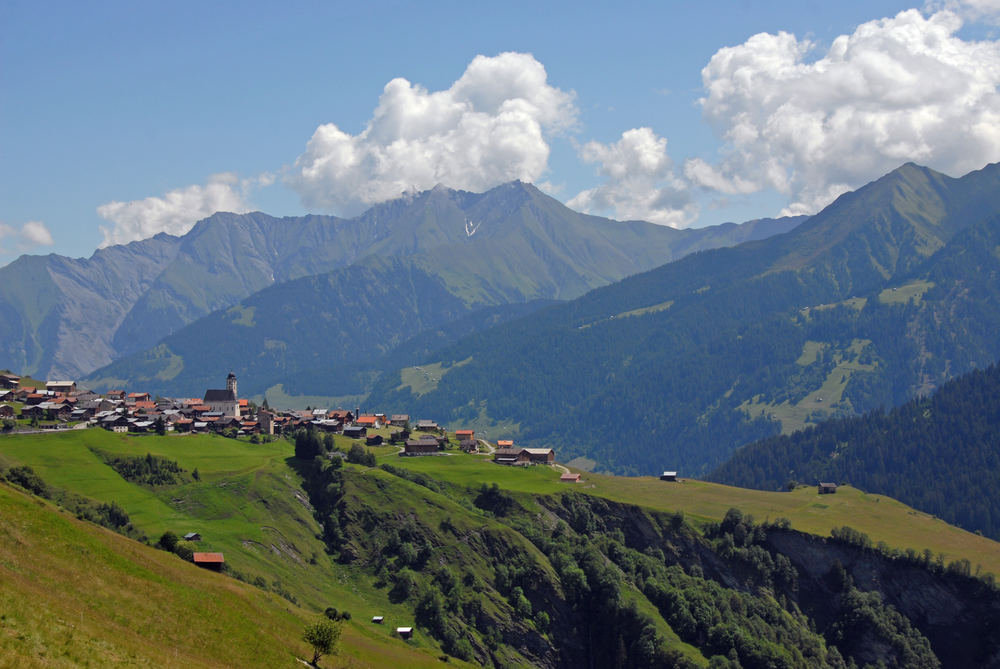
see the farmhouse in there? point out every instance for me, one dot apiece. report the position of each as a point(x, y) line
point(427, 426)
point(399, 419)
point(469, 445)
point(463, 435)
point(355, 431)
point(6, 411)
point(9, 381)
point(422, 446)
point(524, 456)
point(65, 387)
point(827, 488)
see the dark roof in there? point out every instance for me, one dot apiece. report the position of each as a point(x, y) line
point(219, 396)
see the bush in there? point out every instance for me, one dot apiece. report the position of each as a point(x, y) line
point(168, 541)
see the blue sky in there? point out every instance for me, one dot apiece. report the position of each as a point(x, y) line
point(118, 120)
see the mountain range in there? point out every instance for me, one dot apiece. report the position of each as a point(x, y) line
point(62, 317)
point(886, 293)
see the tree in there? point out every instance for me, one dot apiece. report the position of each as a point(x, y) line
point(160, 425)
point(323, 636)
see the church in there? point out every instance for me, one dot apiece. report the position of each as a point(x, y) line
point(224, 401)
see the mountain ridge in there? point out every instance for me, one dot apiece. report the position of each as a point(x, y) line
point(61, 327)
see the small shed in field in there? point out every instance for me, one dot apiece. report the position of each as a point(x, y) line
point(827, 488)
point(213, 561)
point(378, 620)
point(668, 476)
point(405, 632)
point(570, 478)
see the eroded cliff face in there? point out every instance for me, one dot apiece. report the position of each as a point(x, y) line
point(959, 615)
point(572, 580)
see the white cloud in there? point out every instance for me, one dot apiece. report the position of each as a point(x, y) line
point(639, 182)
point(177, 211)
point(31, 235)
point(489, 127)
point(897, 89)
point(972, 10)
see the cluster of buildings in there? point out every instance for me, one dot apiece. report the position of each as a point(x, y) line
point(221, 410)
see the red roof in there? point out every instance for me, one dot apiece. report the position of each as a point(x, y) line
point(569, 477)
point(201, 407)
point(468, 432)
point(367, 420)
point(508, 443)
point(215, 558)
point(137, 395)
point(244, 403)
point(145, 405)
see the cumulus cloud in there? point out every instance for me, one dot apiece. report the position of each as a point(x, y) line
point(490, 126)
point(20, 240)
point(814, 125)
point(177, 210)
point(639, 182)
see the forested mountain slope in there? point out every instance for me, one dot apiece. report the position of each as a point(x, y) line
point(65, 317)
point(940, 454)
point(315, 335)
point(889, 291)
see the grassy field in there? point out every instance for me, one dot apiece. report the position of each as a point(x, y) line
point(902, 294)
point(77, 595)
point(248, 506)
point(821, 403)
point(882, 518)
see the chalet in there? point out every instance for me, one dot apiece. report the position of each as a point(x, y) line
point(183, 424)
point(340, 415)
point(668, 476)
point(9, 381)
point(463, 435)
point(427, 426)
point(5, 395)
point(469, 445)
point(570, 478)
point(369, 421)
point(81, 415)
point(66, 387)
point(132, 398)
point(355, 431)
point(505, 443)
point(144, 406)
point(192, 536)
point(399, 419)
point(213, 561)
point(827, 488)
point(405, 632)
point(115, 395)
point(31, 399)
point(115, 423)
point(374, 440)
point(524, 456)
point(6, 411)
point(422, 446)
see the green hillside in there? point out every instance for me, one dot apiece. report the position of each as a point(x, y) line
point(677, 367)
point(937, 453)
point(502, 566)
point(77, 595)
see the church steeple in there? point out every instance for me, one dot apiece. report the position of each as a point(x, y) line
point(231, 384)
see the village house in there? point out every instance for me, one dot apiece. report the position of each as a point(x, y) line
point(6, 411)
point(399, 419)
point(370, 421)
point(427, 426)
point(423, 446)
point(65, 387)
point(524, 456)
point(9, 381)
point(373, 440)
point(355, 431)
point(463, 435)
point(469, 445)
